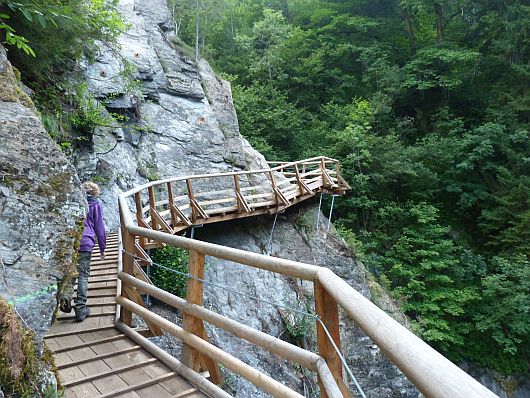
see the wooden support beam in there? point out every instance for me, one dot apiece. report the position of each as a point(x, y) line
point(328, 311)
point(301, 184)
point(152, 206)
point(155, 216)
point(179, 214)
point(242, 204)
point(191, 357)
point(140, 252)
point(326, 178)
point(176, 213)
point(198, 210)
point(140, 274)
point(171, 201)
point(191, 198)
point(280, 197)
point(134, 296)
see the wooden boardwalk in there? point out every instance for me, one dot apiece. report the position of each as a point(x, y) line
point(94, 359)
point(104, 357)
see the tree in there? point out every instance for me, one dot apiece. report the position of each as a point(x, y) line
point(422, 266)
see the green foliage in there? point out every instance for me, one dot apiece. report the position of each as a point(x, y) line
point(174, 258)
point(427, 105)
point(13, 39)
point(58, 32)
point(72, 117)
point(278, 125)
point(421, 265)
point(504, 314)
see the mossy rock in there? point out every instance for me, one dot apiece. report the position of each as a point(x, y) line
point(21, 366)
point(10, 89)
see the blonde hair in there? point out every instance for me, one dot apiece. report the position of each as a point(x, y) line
point(91, 188)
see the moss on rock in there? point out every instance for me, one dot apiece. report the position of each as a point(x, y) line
point(10, 90)
point(20, 363)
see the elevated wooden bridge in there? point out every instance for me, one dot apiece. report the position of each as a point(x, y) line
point(104, 356)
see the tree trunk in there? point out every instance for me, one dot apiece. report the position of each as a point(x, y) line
point(439, 13)
point(197, 32)
point(409, 27)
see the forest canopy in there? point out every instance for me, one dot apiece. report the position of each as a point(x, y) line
point(426, 103)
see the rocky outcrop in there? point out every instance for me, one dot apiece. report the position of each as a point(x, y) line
point(180, 119)
point(41, 203)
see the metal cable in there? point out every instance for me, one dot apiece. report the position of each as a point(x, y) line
point(316, 317)
point(268, 249)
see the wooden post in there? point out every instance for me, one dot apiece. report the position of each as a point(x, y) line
point(191, 357)
point(238, 193)
point(328, 311)
point(302, 186)
point(140, 216)
point(152, 205)
point(337, 170)
point(127, 264)
point(171, 205)
point(191, 199)
point(242, 205)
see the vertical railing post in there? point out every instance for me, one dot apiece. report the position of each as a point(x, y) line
point(337, 170)
point(322, 167)
point(328, 312)
point(191, 198)
point(299, 180)
point(171, 205)
point(274, 188)
point(140, 216)
point(190, 357)
point(238, 193)
point(152, 206)
point(127, 264)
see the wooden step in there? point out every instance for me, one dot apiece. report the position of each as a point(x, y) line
point(91, 343)
point(110, 372)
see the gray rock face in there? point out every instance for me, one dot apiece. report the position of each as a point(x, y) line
point(41, 201)
point(513, 386)
point(172, 128)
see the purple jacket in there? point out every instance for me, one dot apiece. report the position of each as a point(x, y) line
point(94, 227)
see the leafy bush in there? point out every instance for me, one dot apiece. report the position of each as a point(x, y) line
point(55, 34)
point(174, 258)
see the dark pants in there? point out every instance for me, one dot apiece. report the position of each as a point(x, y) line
point(83, 272)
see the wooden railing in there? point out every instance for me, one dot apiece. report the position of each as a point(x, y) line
point(275, 188)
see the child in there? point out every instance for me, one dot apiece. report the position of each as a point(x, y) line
point(94, 228)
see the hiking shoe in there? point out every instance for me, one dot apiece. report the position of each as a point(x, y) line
point(65, 305)
point(82, 314)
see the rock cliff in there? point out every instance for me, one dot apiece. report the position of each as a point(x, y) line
point(179, 117)
point(41, 205)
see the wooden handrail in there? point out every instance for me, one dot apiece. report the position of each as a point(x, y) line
point(266, 383)
point(433, 374)
point(279, 347)
point(315, 161)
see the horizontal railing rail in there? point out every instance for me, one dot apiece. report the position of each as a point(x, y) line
point(431, 372)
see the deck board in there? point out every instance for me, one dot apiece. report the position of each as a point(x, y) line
point(77, 363)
